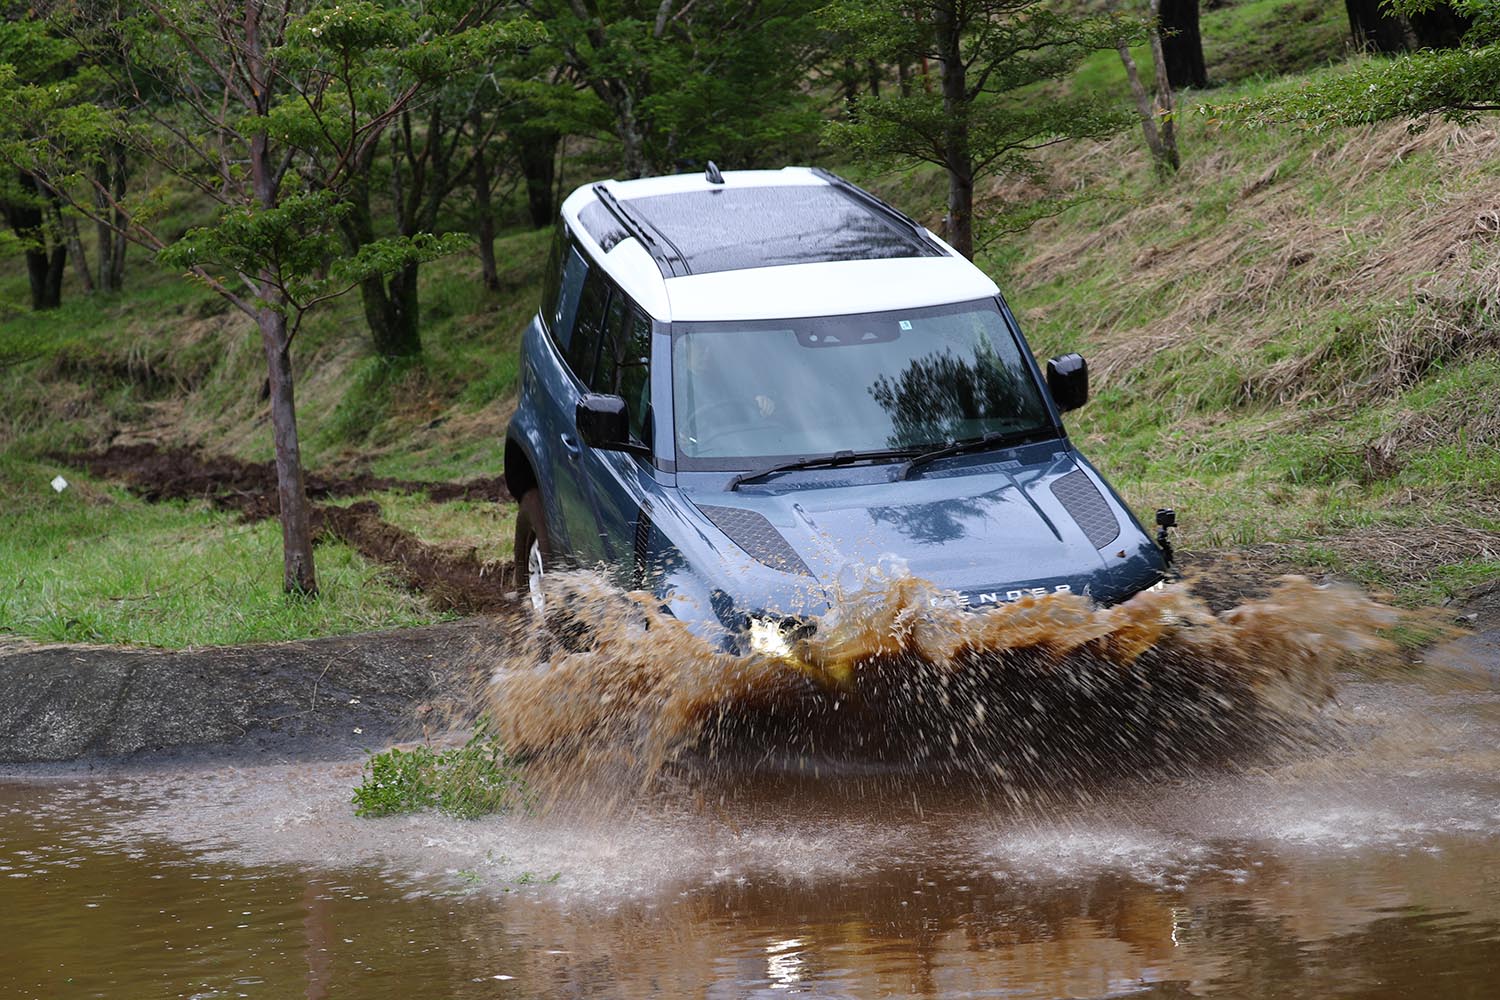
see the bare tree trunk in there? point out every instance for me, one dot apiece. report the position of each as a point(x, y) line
point(536, 149)
point(1182, 42)
point(69, 227)
point(903, 78)
point(46, 259)
point(1374, 28)
point(484, 214)
point(391, 310)
point(631, 137)
point(110, 175)
point(1165, 107)
point(849, 84)
point(1143, 108)
point(958, 228)
point(298, 574)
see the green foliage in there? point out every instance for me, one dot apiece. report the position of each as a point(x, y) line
point(1455, 84)
point(477, 779)
point(712, 79)
point(990, 112)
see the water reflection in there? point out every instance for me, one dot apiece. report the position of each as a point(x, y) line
point(91, 914)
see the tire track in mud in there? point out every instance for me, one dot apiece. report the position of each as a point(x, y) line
point(450, 580)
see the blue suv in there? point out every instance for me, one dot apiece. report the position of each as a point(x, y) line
point(744, 387)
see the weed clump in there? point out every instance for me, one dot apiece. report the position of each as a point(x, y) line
point(467, 782)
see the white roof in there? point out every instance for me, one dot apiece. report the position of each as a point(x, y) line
point(823, 288)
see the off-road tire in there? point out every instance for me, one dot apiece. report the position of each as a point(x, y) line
point(531, 529)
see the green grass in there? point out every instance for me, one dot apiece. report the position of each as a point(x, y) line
point(467, 782)
point(96, 565)
point(169, 360)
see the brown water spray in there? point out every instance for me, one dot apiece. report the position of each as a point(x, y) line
point(900, 675)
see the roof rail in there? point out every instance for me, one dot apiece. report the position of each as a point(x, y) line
point(668, 258)
point(871, 201)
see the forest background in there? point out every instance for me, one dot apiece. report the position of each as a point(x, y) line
point(310, 234)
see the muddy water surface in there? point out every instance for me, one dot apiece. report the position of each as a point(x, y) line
point(1359, 859)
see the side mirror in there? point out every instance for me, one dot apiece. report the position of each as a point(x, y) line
point(603, 422)
point(1068, 379)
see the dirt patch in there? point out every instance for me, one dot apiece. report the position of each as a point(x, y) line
point(458, 582)
point(314, 699)
point(450, 581)
point(249, 488)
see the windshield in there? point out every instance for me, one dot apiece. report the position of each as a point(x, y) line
point(751, 392)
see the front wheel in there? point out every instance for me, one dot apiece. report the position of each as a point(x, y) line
point(533, 551)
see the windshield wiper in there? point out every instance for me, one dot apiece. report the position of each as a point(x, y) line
point(994, 439)
point(821, 462)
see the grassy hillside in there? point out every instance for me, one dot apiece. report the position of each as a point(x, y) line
point(1294, 342)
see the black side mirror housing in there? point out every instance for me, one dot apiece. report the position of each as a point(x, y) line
point(603, 422)
point(1068, 380)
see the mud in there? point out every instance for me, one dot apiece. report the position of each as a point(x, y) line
point(249, 488)
point(315, 699)
point(451, 581)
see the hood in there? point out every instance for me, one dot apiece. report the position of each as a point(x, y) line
point(984, 529)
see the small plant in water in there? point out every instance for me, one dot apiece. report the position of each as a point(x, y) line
point(476, 779)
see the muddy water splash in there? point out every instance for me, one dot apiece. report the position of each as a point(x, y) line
point(899, 676)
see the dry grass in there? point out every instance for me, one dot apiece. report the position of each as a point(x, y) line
point(1229, 289)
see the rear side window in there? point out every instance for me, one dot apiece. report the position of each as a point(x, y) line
point(603, 377)
point(583, 346)
point(552, 283)
point(565, 308)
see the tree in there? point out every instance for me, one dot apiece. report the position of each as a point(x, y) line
point(1156, 110)
point(682, 82)
point(1392, 26)
point(27, 203)
point(399, 187)
point(264, 128)
point(32, 212)
point(980, 122)
point(1182, 43)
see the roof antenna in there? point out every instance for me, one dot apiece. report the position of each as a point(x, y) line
point(712, 173)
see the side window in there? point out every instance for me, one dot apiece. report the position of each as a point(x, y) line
point(584, 344)
point(565, 310)
point(624, 360)
point(606, 370)
point(552, 283)
point(633, 376)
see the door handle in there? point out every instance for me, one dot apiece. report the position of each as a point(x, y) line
point(571, 445)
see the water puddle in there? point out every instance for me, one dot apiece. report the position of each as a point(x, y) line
point(1355, 855)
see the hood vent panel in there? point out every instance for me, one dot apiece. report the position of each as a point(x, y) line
point(757, 536)
point(1080, 497)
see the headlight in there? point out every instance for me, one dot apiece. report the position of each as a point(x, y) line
point(776, 636)
point(770, 637)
